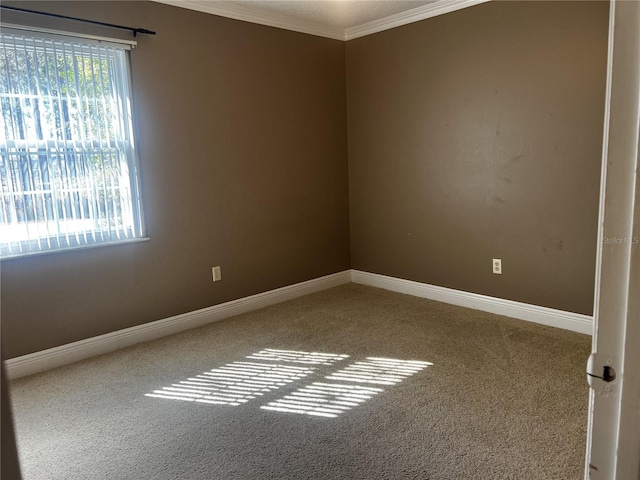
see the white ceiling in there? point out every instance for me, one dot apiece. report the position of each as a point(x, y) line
point(339, 19)
point(331, 13)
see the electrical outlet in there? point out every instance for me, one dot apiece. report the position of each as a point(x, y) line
point(217, 275)
point(497, 266)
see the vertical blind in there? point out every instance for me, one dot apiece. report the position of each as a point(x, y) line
point(68, 169)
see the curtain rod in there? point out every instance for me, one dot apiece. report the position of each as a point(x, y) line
point(94, 22)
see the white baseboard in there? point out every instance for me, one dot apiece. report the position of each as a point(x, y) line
point(522, 311)
point(91, 347)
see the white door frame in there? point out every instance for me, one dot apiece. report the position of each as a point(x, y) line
point(613, 436)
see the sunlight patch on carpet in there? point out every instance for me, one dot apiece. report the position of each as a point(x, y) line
point(239, 382)
point(332, 399)
point(312, 358)
point(381, 371)
point(268, 370)
point(323, 399)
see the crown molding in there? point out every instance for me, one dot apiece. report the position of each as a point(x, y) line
point(439, 7)
point(249, 14)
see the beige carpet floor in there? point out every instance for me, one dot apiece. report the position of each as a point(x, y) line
point(350, 383)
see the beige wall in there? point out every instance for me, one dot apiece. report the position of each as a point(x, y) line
point(242, 143)
point(478, 135)
point(472, 135)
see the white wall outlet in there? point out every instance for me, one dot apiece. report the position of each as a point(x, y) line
point(217, 275)
point(497, 266)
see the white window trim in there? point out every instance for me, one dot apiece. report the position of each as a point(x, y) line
point(136, 183)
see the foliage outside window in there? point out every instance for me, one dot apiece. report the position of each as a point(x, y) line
point(67, 165)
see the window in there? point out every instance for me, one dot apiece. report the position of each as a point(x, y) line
point(68, 169)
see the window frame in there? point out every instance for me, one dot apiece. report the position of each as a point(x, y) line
point(33, 246)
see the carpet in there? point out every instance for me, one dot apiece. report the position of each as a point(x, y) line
point(349, 383)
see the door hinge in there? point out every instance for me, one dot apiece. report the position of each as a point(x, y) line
point(601, 375)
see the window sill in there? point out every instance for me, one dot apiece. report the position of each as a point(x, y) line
point(72, 249)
